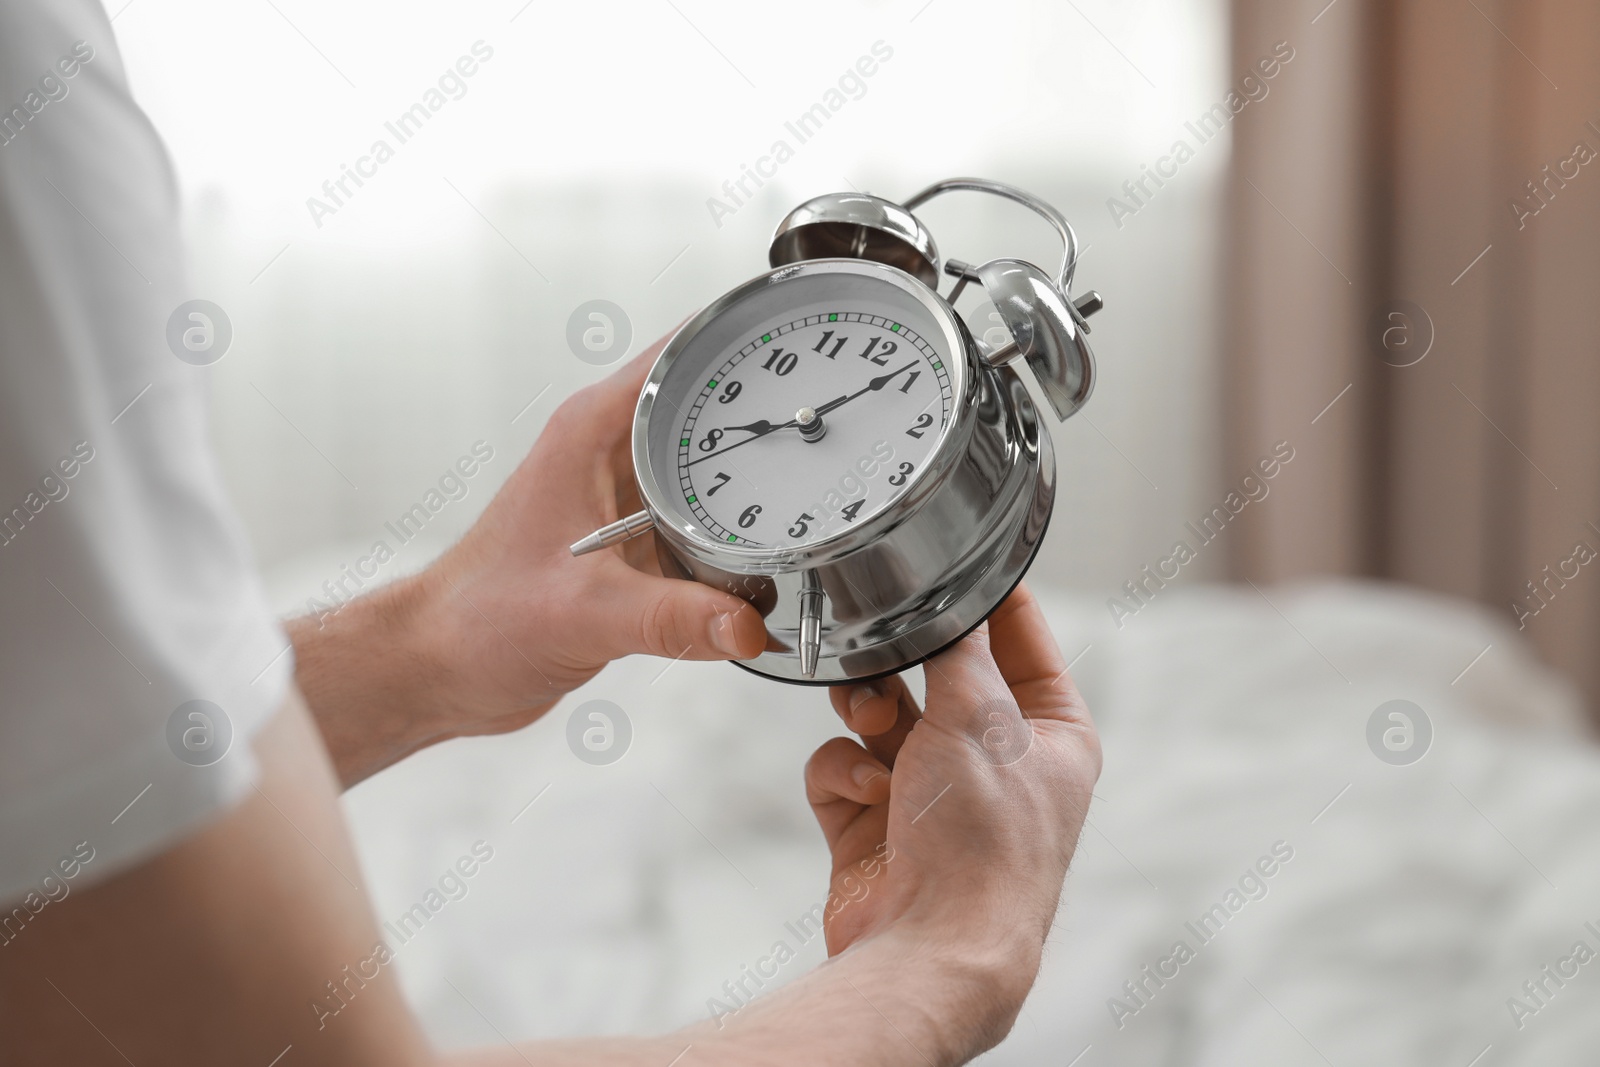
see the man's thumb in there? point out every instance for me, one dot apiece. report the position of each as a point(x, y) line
point(680, 619)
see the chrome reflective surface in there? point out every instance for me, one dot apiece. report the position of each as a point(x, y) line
point(921, 574)
point(938, 573)
point(625, 528)
point(1069, 237)
point(934, 563)
point(1047, 331)
point(857, 226)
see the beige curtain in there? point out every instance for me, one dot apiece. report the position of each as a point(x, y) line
point(1415, 241)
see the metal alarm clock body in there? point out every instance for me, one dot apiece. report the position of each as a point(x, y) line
point(831, 443)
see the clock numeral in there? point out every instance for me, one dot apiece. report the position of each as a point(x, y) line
point(747, 518)
point(836, 345)
point(905, 472)
point(906, 388)
point(849, 510)
point(722, 480)
point(889, 349)
point(923, 422)
point(731, 391)
point(716, 435)
point(801, 525)
point(780, 361)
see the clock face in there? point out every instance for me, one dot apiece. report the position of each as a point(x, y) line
point(744, 463)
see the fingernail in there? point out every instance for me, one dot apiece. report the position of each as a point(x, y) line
point(723, 639)
point(861, 694)
point(864, 773)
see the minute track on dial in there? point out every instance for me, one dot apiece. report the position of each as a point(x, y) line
point(778, 490)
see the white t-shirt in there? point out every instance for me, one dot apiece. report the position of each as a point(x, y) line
point(126, 586)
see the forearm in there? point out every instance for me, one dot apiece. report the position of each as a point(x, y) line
point(892, 1000)
point(367, 677)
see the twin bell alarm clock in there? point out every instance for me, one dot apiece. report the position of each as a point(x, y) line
point(830, 442)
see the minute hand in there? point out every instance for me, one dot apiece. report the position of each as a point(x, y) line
point(871, 387)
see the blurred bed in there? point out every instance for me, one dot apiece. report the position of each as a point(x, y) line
point(1335, 908)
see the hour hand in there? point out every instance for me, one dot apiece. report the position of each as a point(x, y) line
point(760, 426)
point(757, 430)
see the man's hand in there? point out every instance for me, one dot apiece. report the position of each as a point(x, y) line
point(508, 621)
point(954, 827)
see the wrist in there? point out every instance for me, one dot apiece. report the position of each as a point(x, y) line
point(963, 992)
point(370, 676)
point(900, 998)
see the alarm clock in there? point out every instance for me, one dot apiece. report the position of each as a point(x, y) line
point(830, 441)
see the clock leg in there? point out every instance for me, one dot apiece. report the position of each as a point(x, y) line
point(811, 598)
point(622, 530)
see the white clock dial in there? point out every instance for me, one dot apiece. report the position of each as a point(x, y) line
point(744, 470)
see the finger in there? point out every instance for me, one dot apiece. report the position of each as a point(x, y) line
point(617, 408)
point(608, 407)
point(627, 381)
point(868, 708)
point(672, 617)
point(965, 686)
point(886, 746)
point(594, 426)
point(1030, 661)
point(842, 780)
point(598, 419)
point(885, 743)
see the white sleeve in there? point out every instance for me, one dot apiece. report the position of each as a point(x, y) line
point(126, 586)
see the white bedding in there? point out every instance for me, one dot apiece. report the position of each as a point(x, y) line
point(1411, 910)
